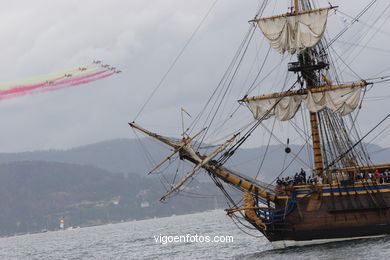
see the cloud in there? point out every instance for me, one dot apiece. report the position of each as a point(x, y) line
point(140, 37)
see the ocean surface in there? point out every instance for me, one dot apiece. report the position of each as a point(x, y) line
point(137, 240)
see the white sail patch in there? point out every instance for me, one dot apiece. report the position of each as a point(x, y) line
point(342, 101)
point(294, 33)
point(283, 110)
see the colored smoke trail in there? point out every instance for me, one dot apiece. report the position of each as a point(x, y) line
point(78, 83)
point(74, 77)
point(50, 77)
point(19, 89)
point(77, 78)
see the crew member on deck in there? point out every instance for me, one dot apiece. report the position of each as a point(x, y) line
point(303, 174)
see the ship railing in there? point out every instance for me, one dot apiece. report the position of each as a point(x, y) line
point(276, 215)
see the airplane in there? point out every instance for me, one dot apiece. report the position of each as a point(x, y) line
point(97, 61)
point(117, 71)
point(105, 66)
point(68, 75)
point(49, 82)
point(82, 69)
point(112, 68)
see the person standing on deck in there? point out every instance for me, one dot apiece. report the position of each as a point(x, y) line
point(378, 176)
point(303, 174)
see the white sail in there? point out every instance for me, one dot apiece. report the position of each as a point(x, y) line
point(342, 101)
point(295, 33)
point(284, 110)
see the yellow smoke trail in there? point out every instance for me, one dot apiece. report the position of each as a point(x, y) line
point(75, 72)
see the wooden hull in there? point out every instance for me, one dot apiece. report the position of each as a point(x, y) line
point(301, 237)
point(322, 215)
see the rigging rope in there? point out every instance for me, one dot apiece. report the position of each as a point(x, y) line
point(176, 59)
point(341, 156)
point(357, 17)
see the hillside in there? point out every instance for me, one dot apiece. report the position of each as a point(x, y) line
point(129, 156)
point(35, 195)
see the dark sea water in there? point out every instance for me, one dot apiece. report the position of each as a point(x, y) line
point(135, 240)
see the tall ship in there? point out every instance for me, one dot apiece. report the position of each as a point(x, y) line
point(339, 194)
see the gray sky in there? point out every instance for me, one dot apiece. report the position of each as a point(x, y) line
point(142, 38)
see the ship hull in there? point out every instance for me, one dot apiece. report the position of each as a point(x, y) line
point(327, 216)
point(292, 243)
point(327, 235)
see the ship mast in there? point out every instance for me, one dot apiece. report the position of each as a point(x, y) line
point(299, 32)
point(296, 7)
point(315, 136)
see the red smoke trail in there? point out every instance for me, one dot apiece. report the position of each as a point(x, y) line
point(18, 89)
point(23, 90)
point(58, 86)
point(77, 78)
point(78, 83)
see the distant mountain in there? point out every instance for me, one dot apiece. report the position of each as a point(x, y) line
point(117, 156)
point(139, 156)
point(36, 195)
point(248, 161)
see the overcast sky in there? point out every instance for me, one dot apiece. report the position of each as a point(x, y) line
point(142, 38)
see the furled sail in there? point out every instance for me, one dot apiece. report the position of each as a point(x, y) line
point(342, 101)
point(294, 32)
point(283, 109)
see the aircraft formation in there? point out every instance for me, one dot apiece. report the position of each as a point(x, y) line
point(70, 78)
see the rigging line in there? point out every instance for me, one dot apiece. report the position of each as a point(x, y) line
point(292, 160)
point(376, 98)
point(235, 223)
point(240, 105)
point(143, 148)
point(381, 81)
point(222, 139)
point(358, 37)
point(305, 128)
point(376, 32)
point(260, 11)
point(295, 154)
point(366, 24)
point(225, 92)
point(380, 133)
point(218, 128)
point(299, 130)
point(234, 147)
point(176, 172)
point(266, 150)
point(355, 128)
point(365, 9)
point(269, 139)
point(267, 75)
point(224, 77)
point(382, 71)
point(351, 148)
point(357, 113)
point(363, 37)
point(176, 59)
point(381, 77)
point(364, 46)
point(255, 61)
point(260, 70)
point(346, 65)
